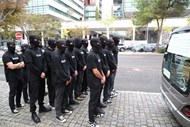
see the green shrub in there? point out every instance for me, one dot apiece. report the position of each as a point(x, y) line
point(161, 50)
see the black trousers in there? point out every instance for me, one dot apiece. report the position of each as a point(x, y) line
point(66, 94)
point(36, 92)
point(78, 85)
point(51, 91)
point(84, 83)
point(93, 102)
point(15, 90)
point(59, 98)
point(72, 87)
point(25, 91)
point(107, 87)
point(112, 80)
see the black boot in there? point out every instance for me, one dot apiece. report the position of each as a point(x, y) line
point(35, 118)
point(102, 105)
point(44, 109)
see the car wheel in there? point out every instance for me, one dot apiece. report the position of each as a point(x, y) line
point(122, 49)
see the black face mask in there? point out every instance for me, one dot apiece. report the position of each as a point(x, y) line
point(85, 45)
point(62, 49)
point(11, 47)
point(96, 50)
point(71, 47)
point(52, 47)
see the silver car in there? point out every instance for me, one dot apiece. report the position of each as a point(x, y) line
point(175, 86)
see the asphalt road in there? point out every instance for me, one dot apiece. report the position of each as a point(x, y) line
point(136, 72)
point(139, 72)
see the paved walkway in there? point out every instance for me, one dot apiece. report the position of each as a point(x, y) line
point(129, 109)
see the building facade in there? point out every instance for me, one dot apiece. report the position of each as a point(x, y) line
point(118, 9)
point(63, 10)
point(92, 10)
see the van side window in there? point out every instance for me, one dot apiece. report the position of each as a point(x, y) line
point(176, 69)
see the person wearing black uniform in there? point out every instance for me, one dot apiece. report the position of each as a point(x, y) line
point(12, 68)
point(36, 70)
point(61, 77)
point(47, 55)
point(115, 52)
point(95, 78)
point(85, 50)
point(81, 67)
point(113, 67)
point(69, 53)
point(24, 74)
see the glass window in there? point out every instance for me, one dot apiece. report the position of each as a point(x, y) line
point(176, 65)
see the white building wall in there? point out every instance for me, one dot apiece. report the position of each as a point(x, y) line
point(107, 9)
point(42, 7)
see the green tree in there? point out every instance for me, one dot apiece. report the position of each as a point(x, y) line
point(97, 14)
point(38, 24)
point(158, 10)
point(11, 7)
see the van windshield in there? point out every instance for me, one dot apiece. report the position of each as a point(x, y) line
point(176, 64)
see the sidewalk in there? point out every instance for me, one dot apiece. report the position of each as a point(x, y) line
point(128, 109)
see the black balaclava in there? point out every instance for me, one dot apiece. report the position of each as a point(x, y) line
point(11, 46)
point(70, 44)
point(78, 43)
point(103, 40)
point(110, 43)
point(34, 41)
point(52, 43)
point(96, 44)
point(85, 43)
point(24, 47)
point(61, 46)
point(116, 40)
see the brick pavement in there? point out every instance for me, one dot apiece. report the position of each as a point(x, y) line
point(129, 109)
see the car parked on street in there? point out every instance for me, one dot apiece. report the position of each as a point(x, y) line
point(175, 86)
point(121, 47)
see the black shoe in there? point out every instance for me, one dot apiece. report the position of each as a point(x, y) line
point(99, 110)
point(44, 109)
point(73, 102)
point(107, 101)
point(102, 105)
point(35, 118)
point(21, 106)
point(93, 124)
point(27, 102)
point(15, 112)
point(68, 107)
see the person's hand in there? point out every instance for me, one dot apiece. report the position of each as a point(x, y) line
point(68, 81)
point(21, 65)
point(103, 80)
point(43, 75)
point(108, 73)
point(75, 73)
point(84, 68)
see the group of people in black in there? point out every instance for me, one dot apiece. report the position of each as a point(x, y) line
point(69, 70)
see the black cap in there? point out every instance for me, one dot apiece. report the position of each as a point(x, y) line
point(51, 41)
point(95, 42)
point(78, 42)
point(69, 42)
point(60, 43)
point(34, 38)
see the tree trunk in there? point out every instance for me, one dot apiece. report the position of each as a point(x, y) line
point(159, 26)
